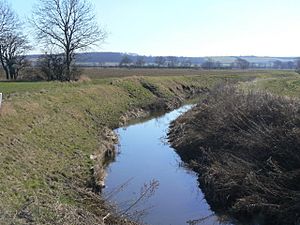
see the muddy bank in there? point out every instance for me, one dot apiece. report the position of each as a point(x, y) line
point(163, 103)
point(245, 148)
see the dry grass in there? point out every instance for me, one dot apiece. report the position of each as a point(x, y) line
point(84, 78)
point(7, 109)
point(245, 147)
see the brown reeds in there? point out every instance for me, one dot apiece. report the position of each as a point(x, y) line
point(246, 148)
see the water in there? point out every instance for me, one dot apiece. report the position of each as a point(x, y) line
point(145, 156)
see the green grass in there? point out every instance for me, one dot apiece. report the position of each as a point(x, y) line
point(48, 130)
point(289, 86)
point(105, 76)
point(47, 133)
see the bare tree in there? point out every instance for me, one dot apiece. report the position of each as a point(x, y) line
point(208, 64)
point(51, 66)
point(13, 44)
point(277, 64)
point(140, 61)
point(160, 61)
point(125, 61)
point(218, 65)
point(172, 61)
point(69, 25)
point(290, 65)
point(8, 19)
point(187, 63)
point(242, 63)
point(12, 54)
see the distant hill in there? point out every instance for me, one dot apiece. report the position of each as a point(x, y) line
point(114, 58)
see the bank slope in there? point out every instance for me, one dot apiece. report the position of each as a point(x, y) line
point(245, 148)
point(48, 132)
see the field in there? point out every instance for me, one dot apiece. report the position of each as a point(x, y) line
point(48, 130)
point(104, 75)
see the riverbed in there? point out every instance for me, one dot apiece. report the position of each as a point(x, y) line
point(147, 162)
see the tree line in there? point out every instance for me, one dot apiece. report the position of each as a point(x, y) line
point(65, 27)
point(209, 63)
point(62, 27)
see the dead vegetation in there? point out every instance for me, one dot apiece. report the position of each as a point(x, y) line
point(245, 147)
point(102, 158)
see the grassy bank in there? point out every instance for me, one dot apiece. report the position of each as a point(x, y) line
point(48, 132)
point(287, 86)
point(245, 147)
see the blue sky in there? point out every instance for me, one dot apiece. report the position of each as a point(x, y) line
point(196, 27)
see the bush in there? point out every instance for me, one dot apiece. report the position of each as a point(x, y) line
point(246, 148)
point(257, 122)
point(53, 67)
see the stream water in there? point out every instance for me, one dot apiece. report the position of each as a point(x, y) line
point(146, 162)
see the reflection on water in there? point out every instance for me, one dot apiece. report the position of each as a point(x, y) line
point(147, 162)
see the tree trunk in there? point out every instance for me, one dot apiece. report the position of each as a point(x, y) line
point(68, 71)
point(11, 72)
point(4, 67)
point(68, 65)
point(6, 72)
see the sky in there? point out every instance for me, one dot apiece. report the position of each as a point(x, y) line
point(195, 27)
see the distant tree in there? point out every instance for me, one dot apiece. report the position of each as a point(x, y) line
point(297, 65)
point(277, 64)
point(160, 61)
point(218, 65)
point(242, 63)
point(172, 61)
point(290, 65)
point(187, 63)
point(140, 61)
point(13, 44)
point(125, 61)
point(253, 65)
point(208, 64)
point(69, 25)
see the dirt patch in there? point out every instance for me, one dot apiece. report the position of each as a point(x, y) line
point(102, 157)
point(7, 109)
point(245, 148)
point(133, 114)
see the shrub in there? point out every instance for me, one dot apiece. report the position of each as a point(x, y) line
point(246, 148)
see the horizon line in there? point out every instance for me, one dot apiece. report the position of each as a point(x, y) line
point(145, 55)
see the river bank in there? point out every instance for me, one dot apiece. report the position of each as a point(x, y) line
point(53, 134)
point(244, 146)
